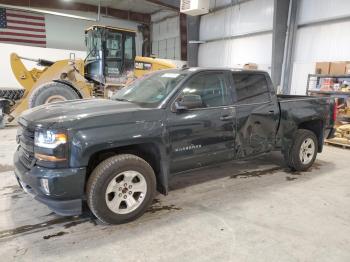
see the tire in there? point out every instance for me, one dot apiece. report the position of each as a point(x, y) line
point(306, 141)
point(52, 92)
point(105, 198)
point(11, 94)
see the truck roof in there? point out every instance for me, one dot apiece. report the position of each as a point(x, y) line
point(197, 69)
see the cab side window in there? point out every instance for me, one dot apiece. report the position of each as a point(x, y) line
point(251, 88)
point(128, 48)
point(209, 87)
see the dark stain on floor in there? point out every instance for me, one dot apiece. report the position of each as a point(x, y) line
point(270, 171)
point(61, 233)
point(74, 223)
point(14, 187)
point(17, 196)
point(257, 173)
point(156, 207)
point(5, 168)
point(34, 227)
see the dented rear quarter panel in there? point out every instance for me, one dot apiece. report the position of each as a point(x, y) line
point(296, 110)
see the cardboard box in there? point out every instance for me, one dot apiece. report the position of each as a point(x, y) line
point(338, 68)
point(347, 69)
point(322, 68)
point(250, 66)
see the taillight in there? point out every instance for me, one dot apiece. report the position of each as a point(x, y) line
point(335, 108)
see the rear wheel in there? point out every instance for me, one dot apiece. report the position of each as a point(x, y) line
point(50, 93)
point(121, 188)
point(303, 151)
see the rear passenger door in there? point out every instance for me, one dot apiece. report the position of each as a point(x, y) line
point(257, 115)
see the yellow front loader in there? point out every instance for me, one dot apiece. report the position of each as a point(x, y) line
point(111, 63)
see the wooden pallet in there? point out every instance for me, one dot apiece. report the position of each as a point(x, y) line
point(332, 143)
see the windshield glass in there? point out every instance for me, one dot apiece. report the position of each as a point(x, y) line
point(113, 45)
point(93, 44)
point(152, 89)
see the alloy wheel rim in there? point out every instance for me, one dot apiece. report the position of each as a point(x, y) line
point(126, 192)
point(307, 151)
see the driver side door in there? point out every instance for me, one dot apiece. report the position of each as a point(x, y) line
point(203, 135)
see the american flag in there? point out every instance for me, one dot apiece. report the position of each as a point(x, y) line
point(23, 28)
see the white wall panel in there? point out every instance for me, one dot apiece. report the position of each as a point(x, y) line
point(329, 42)
point(251, 16)
point(68, 33)
point(318, 43)
point(165, 35)
point(299, 77)
point(237, 52)
point(155, 47)
point(220, 3)
point(313, 10)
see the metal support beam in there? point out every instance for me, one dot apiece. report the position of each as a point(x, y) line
point(280, 20)
point(183, 36)
point(192, 35)
point(58, 4)
point(169, 4)
point(292, 27)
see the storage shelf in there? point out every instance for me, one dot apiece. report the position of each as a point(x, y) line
point(329, 76)
point(329, 92)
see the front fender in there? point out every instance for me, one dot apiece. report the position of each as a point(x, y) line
point(87, 143)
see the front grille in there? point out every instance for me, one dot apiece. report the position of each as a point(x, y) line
point(26, 149)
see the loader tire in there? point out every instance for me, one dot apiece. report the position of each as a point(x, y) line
point(50, 93)
point(11, 93)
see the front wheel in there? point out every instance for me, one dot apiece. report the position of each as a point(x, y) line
point(120, 189)
point(303, 151)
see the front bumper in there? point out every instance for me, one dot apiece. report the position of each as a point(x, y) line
point(66, 186)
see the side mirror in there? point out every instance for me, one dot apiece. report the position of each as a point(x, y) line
point(188, 102)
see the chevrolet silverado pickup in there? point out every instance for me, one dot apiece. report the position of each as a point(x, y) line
point(115, 154)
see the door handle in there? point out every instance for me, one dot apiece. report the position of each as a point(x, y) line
point(271, 112)
point(226, 118)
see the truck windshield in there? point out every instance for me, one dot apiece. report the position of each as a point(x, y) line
point(150, 90)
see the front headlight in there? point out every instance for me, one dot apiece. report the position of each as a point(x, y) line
point(49, 139)
point(50, 146)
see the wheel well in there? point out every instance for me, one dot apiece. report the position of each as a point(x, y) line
point(147, 151)
point(316, 126)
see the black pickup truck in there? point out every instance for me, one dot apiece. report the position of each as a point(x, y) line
point(114, 154)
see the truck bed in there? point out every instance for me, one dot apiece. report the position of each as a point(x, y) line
point(284, 98)
point(296, 110)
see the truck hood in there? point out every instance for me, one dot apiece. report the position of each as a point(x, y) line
point(70, 113)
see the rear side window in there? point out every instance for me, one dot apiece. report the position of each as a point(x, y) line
point(251, 88)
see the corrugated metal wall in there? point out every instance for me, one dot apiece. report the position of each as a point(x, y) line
point(328, 41)
point(166, 35)
point(237, 34)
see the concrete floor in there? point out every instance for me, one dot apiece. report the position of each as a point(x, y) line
point(248, 211)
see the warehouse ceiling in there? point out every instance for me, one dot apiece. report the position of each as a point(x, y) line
point(141, 6)
point(135, 10)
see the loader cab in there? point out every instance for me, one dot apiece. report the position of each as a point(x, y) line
point(110, 54)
